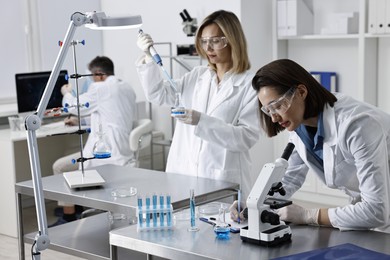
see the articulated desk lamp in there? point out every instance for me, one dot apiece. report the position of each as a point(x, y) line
point(93, 20)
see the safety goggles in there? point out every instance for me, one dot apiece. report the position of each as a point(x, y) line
point(215, 43)
point(281, 105)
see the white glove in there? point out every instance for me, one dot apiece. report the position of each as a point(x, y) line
point(67, 88)
point(186, 116)
point(144, 42)
point(234, 211)
point(298, 215)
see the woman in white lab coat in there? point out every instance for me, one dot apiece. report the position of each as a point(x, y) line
point(344, 142)
point(221, 122)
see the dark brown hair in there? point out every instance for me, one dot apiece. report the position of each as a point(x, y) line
point(102, 64)
point(282, 75)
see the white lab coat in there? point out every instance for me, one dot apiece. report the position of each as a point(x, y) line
point(111, 103)
point(218, 147)
point(356, 161)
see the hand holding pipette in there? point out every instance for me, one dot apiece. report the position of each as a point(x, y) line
point(145, 43)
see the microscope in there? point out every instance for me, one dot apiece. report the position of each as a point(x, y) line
point(264, 226)
point(189, 23)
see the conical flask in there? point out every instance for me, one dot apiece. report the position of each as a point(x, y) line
point(102, 148)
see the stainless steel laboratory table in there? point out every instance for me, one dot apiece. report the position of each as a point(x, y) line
point(181, 244)
point(146, 182)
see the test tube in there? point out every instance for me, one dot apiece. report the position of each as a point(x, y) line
point(154, 210)
point(161, 210)
point(147, 199)
point(169, 217)
point(140, 218)
point(192, 211)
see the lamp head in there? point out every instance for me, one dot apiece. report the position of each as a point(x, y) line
point(99, 21)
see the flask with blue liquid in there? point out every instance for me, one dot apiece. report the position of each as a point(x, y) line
point(101, 149)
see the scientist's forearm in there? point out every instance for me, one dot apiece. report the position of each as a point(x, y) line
point(323, 218)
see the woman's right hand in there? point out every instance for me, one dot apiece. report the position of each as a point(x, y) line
point(234, 215)
point(144, 42)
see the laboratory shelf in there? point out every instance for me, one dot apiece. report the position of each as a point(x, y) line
point(86, 238)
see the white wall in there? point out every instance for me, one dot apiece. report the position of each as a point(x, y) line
point(162, 21)
point(12, 31)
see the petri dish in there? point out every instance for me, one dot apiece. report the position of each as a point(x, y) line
point(211, 208)
point(124, 192)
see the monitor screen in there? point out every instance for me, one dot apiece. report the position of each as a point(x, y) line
point(30, 88)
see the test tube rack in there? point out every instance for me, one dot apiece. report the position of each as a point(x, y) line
point(160, 218)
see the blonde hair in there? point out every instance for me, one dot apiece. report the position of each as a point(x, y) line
point(232, 30)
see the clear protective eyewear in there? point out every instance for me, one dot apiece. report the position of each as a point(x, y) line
point(281, 105)
point(215, 43)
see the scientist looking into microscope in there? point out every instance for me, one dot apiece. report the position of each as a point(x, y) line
point(221, 122)
point(345, 142)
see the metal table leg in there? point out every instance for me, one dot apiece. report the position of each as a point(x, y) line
point(19, 209)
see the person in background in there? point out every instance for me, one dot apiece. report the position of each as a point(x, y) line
point(221, 121)
point(345, 142)
point(112, 107)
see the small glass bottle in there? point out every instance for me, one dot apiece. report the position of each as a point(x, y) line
point(102, 148)
point(178, 109)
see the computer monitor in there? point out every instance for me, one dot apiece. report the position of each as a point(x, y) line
point(30, 88)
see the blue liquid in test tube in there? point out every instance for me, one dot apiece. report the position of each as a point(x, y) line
point(140, 218)
point(154, 210)
point(192, 211)
point(169, 217)
point(161, 210)
point(192, 208)
point(147, 199)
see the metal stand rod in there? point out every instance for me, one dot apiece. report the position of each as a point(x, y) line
point(74, 43)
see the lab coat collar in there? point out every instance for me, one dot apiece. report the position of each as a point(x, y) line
point(330, 128)
point(330, 141)
point(201, 92)
point(230, 86)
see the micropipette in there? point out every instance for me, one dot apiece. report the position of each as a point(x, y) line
point(156, 57)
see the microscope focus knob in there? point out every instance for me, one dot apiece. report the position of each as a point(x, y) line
point(269, 217)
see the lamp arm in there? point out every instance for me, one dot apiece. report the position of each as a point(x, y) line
point(77, 19)
point(33, 123)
